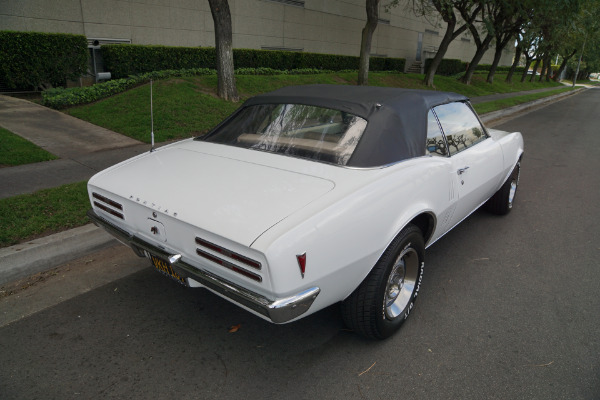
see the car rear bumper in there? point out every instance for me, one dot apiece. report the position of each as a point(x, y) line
point(277, 311)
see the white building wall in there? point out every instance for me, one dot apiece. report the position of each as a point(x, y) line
point(320, 26)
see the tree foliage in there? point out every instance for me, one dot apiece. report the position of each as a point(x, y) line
point(542, 30)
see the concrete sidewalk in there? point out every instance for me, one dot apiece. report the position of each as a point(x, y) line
point(85, 149)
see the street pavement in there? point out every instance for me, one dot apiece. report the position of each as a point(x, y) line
point(85, 149)
point(508, 310)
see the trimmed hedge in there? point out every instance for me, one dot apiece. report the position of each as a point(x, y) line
point(123, 60)
point(499, 68)
point(450, 67)
point(31, 59)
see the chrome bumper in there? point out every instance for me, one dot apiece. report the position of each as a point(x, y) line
point(278, 311)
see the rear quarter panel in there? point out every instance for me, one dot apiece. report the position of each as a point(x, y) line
point(345, 233)
point(512, 148)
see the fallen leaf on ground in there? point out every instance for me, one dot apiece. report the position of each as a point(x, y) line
point(235, 328)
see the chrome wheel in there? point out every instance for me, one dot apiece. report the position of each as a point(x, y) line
point(401, 283)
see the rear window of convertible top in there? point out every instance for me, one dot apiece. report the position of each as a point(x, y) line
point(297, 130)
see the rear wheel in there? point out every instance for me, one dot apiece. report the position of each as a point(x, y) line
point(383, 301)
point(502, 201)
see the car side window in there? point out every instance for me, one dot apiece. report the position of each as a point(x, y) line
point(460, 125)
point(436, 144)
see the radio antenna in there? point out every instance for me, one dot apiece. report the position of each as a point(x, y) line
point(151, 118)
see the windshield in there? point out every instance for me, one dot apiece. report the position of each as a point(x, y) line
point(316, 133)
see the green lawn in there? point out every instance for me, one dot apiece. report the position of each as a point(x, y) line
point(14, 150)
point(490, 106)
point(42, 213)
point(185, 107)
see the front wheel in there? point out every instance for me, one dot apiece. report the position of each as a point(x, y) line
point(386, 297)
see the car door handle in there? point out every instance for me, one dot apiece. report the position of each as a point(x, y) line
point(462, 170)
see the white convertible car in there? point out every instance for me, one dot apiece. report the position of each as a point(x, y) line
point(313, 195)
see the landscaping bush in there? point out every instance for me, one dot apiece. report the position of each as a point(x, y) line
point(59, 98)
point(499, 68)
point(32, 59)
point(448, 66)
point(123, 60)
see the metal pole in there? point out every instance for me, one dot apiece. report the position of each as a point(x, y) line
point(579, 62)
point(151, 118)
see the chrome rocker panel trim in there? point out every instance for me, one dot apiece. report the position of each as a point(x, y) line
point(278, 311)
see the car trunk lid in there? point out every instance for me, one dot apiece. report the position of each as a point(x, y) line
point(236, 199)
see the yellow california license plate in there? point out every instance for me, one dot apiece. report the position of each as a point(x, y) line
point(165, 268)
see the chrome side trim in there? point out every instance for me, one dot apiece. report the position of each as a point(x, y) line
point(278, 311)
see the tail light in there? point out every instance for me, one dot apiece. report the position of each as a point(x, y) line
point(228, 259)
point(108, 205)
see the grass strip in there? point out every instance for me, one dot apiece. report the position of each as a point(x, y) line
point(14, 150)
point(495, 105)
point(42, 213)
point(187, 106)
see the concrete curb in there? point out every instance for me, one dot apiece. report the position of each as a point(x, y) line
point(45, 253)
point(38, 255)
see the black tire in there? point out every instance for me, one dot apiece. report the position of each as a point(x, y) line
point(365, 311)
point(502, 201)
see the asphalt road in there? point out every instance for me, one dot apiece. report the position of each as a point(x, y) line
point(509, 309)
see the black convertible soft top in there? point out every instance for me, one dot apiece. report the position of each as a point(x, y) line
point(397, 118)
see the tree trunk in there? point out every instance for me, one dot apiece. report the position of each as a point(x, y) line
point(446, 10)
point(514, 65)
point(367, 36)
point(535, 67)
point(449, 36)
point(466, 78)
point(492, 72)
point(544, 67)
point(563, 65)
point(226, 88)
point(548, 63)
point(528, 61)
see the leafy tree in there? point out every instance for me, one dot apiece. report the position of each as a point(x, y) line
point(226, 88)
point(447, 11)
point(586, 34)
point(490, 11)
point(513, 14)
